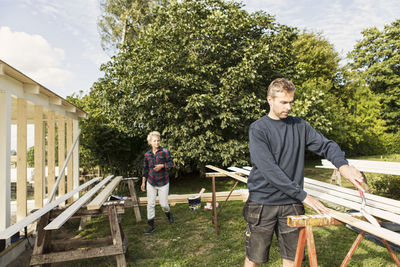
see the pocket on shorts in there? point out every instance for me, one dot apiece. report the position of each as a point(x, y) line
point(252, 212)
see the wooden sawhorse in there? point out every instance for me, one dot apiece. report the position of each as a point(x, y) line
point(48, 251)
point(135, 200)
point(307, 235)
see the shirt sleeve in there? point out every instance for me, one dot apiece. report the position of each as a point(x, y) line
point(262, 157)
point(145, 171)
point(324, 147)
point(169, 163)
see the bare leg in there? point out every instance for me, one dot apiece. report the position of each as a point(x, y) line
point(249, 263)
point(287, 263)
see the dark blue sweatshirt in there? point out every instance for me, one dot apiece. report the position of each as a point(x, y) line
point(277, 150)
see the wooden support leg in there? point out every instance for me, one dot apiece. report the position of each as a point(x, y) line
point(226, 200)
point(42, 241)
point(352, 249)
point(396, 260)
point(134, 200)
point(214, 204)
point(312, 253)
point(300, 248)
point(116, 235)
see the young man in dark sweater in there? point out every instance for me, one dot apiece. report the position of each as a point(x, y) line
point(277, 148)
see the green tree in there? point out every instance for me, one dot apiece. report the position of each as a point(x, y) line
point(122, 20)
point(377, 60)
point(103, 145)
point(198, 74)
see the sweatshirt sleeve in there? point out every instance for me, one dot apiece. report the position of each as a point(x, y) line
point(324, 147)
point(264, 160)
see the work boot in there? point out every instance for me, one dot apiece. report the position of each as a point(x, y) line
point(151, 227)
point(170, 217)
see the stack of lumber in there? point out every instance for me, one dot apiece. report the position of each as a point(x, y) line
point(384, 167)
point(241, 194)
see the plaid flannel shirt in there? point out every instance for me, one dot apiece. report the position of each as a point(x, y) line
point(162, 156)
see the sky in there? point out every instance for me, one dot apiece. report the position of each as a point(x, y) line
point(57, 43)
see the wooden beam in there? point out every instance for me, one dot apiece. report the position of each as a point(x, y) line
point(353, 192)
point(39, 157)
point(368, 227)
point(239, 170)
point(55, 100)
point(234, 176)
point(5, 145)
point(83, 211)
point(21, 159)
point(84, 253)
point(2, 71)
point(51, 150)
point(75, 156)
point(98, 201)
point(63, 217)
point(353, 205)
point(31, 88)
point(61, 152)
point(221, 196)
point(351, 197)
point(70, 180)
point(10, 231)
point(63, 245)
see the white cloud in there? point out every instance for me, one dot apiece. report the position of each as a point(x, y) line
point(34, 56)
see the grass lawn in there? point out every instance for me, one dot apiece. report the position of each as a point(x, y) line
point(191, 241)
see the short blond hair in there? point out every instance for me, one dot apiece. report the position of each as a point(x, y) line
point(150, 136)
point(279, 85)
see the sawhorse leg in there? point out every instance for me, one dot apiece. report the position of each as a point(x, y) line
point(42, 241)
point(135, 201)
point(357, 242)
point(306, 234)
point(117, 235)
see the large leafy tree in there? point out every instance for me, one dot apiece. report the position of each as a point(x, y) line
point(122, 20)
point(376, 58)
point(198, 74)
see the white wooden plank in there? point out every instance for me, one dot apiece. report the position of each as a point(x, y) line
point(368, 196)
point(383, 167)
point(10, 231)
point(103, 195)
point(65, 215)
point(234, 176)
point(350, 197)
point(239, 170)
point(353, 205)
point(378, 231)
point(247, 168)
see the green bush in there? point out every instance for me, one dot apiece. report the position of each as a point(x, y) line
point(386, 186)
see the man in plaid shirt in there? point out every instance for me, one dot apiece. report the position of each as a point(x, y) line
point(157, 162)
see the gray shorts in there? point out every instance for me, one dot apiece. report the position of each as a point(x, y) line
point(262, 222)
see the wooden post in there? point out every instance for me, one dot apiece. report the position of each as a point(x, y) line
point(21, 159)
point(5, 144)
point(51, 150)
point(396, 260)
point(214, 204)
point(134, 198)
point(61, 153)
point(39, 157)
point(70, 179)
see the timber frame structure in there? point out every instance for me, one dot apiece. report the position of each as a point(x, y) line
point(23, 101)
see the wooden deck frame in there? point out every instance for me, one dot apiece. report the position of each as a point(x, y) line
point(44, 249)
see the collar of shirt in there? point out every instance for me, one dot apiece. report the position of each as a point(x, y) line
point(158, 149)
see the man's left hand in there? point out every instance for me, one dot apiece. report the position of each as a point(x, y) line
point(352, 175)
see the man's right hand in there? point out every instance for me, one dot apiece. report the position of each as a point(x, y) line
point(316, 205)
